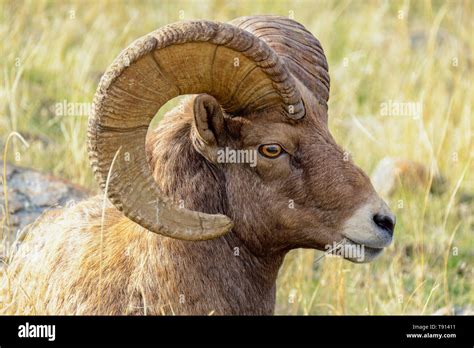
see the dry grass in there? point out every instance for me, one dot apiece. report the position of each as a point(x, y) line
point(419, 51)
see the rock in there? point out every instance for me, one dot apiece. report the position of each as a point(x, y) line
point(455, 310)
point(30, 193)
point(393, 173)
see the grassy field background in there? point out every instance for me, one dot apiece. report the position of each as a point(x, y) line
point(378, 51)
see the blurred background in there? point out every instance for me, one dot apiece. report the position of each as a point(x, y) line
point(400, 104)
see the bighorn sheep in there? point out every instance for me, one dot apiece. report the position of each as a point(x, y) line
point(216, 242)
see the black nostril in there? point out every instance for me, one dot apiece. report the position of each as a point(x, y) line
point(384, 221)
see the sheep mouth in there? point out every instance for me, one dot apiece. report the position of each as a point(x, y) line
point(356, 252)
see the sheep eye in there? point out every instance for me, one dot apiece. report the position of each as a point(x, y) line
point(270, 150)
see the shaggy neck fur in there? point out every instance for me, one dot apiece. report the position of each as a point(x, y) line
point(224, 275)
point(86, 265)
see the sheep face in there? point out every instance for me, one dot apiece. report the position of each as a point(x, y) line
point(260, 118)
point(289, 184)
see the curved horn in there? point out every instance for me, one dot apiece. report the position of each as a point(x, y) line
point(242, 72)
point(286, 36)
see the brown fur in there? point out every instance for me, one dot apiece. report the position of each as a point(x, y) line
point(67, 266)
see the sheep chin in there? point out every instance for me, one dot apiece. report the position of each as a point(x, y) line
point(359, 253)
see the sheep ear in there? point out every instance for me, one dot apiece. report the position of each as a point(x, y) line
point(209, 119)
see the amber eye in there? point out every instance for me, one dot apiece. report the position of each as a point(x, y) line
point(270, 150)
